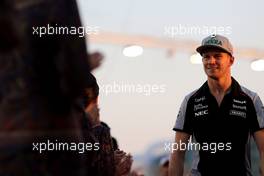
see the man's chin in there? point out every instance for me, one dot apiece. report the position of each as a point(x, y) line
point(213, 76)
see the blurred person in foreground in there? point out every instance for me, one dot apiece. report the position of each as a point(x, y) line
point(106, 161)
point(41, 79)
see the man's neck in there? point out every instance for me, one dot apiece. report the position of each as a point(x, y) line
point(219, 86)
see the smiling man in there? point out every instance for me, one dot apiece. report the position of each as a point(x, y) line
point(220, 112)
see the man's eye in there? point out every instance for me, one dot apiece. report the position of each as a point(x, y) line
point(217, 56)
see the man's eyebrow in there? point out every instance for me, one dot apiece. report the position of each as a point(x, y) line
point(218, 54)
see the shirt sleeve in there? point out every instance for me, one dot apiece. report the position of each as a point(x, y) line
point(258, 122)
point(183, 121)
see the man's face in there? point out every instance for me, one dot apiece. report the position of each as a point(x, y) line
point(217, 63)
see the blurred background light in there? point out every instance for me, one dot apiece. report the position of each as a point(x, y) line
point(257, 65)
point(133, 51)
point(196, 59)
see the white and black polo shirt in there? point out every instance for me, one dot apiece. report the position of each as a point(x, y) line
point(223, 132)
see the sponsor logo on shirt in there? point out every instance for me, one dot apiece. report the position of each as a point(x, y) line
point(200, 106)
point(197, 100)
point(239, 101)
point(201, 113)
point(239, 107)
point(237, 113)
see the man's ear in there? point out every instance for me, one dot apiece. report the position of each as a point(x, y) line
point(95, 101)
point(232, 59)
point(91, 105)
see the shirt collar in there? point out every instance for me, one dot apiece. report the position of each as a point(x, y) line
point(234, 90)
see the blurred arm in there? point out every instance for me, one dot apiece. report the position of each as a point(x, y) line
point(259, 138)
point(176, 165)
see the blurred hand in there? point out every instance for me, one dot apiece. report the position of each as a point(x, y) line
point(118, 155)
point(123, 167)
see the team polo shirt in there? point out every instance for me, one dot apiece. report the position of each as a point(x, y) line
point(221, 134)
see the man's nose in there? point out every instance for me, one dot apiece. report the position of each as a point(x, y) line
point(211, 60)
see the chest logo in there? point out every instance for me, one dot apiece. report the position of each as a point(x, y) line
point(201, 113)
point(197, 100)
point(239, 101)
point(244, 107)
point(237, 113)
point(200, 106)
